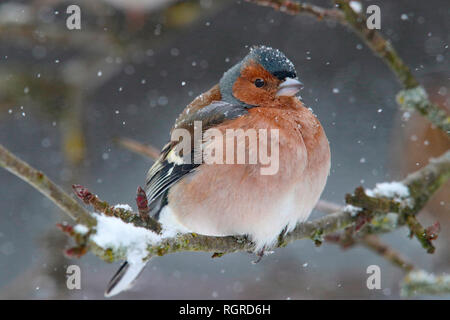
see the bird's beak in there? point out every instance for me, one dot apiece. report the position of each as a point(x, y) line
point(289, 87)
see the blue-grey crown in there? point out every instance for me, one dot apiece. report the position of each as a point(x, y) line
point(273, 60)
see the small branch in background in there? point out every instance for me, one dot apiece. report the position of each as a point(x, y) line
point(417, 99)
point(137, 147)
point(346, 239)
point(374, 243)
point(423, 283)
point(77, 251)
point(295, 7)
point(414, 96)
point(327, 206)
point(47, 187)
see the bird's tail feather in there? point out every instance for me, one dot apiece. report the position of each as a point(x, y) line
point(124, 278)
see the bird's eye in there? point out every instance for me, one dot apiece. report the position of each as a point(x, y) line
point(259, 83)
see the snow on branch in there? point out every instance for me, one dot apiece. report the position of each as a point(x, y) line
point(420, 282)
point(420, 185)
point(97, 232)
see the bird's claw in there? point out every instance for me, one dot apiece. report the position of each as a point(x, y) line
point(259, 255)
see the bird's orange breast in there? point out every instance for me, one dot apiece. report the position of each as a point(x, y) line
point(226, 199)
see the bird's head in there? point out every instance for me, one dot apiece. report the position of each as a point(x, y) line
point(263, 76)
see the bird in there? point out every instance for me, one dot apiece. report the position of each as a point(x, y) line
point(227, 199)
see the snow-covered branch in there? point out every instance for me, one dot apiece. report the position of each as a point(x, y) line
point(97, 232)
point(420, 282)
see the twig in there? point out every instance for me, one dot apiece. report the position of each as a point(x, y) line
point(374, 243)
point(346, 239)
point(375, 41)
point(125, 215)
point(47, 187)
point(422, 184)
point(360, 199)
point(137, 147)
point(294, 8)
point(327, 206)
point(420, 233)
point(414, 96)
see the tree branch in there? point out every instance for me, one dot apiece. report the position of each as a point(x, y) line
point(420, 233)
point(139, 148)
point(295, 7)
point(374, 243)
point(127, 216)
point(427, 179)
point(346, 240)
point(423, 283)
point(47, 187)
point(422, 184)
point(413, 96)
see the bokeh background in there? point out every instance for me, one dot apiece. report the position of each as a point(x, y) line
point(66, 96)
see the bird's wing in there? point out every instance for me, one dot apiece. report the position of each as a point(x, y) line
point(199, 102)
point(171, 166)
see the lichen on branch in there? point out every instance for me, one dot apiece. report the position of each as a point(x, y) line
point(420, 282)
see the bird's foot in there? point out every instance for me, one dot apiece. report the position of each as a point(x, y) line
point(259, 255)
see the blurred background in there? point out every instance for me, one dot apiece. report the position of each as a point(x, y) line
point(66, 96)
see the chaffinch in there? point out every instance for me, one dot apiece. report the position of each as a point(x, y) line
point(226, 197)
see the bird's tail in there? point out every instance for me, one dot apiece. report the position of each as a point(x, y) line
point(124, 278)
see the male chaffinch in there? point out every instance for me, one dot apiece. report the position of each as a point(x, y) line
point(236, 199)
